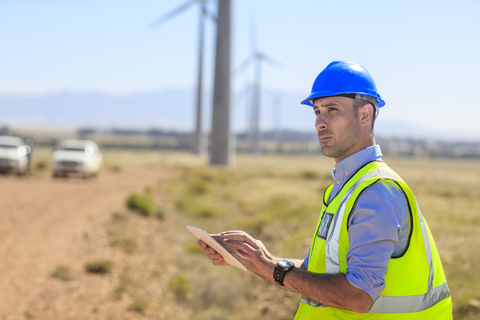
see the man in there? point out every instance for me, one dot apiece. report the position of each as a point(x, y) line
point(372, 254)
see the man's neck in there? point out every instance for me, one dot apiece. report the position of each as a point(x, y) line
point(367, 143)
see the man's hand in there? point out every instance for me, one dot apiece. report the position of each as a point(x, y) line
point(329, 289)
point(217, 258)
point(251, 249)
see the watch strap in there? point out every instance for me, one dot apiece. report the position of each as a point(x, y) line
point(280, 272)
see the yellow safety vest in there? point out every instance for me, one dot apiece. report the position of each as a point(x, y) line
point(416, 287)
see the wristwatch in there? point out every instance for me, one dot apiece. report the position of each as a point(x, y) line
point(281, 269)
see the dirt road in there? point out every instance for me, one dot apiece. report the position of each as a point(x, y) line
point(45, 223)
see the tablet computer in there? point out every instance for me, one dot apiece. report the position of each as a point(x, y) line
point(227, 256)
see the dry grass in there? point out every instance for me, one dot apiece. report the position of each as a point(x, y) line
point(449, 195)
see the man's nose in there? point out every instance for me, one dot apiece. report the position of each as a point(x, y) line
point(320, 123)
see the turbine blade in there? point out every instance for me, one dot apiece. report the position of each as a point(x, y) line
point(157, 22)
point(208, 14)
point(244, 64)
point(274, 63)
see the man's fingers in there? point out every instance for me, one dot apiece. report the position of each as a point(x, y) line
point(209, 251)
point(240, 246)
point(206, 249)
point(214, 256)
point(235, 234)
point(202, 244)
point(218, 260)
point(238, 236)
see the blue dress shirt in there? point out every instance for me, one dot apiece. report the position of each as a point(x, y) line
point(378, 227)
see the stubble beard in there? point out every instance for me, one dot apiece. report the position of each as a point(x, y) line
point(337, 146)
point(333, 149)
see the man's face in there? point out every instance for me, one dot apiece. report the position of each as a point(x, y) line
point(338, 127)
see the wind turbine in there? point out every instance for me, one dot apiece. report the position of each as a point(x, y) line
point(256, 57)
point(198, 142)
point(221, 140)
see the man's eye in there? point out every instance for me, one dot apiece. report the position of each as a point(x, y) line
point(332, 109)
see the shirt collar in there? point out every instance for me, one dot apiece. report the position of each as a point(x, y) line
point(352, 163)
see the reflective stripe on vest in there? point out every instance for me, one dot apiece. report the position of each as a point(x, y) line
point(383, 304)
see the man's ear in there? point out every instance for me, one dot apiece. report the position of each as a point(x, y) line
point(366, 114)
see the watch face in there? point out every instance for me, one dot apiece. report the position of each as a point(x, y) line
point(285, 263)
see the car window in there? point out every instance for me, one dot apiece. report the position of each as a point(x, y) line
point(72, 149)
point(89, 150)
point(8, 146)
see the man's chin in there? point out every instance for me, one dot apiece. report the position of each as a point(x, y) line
point(327, 151)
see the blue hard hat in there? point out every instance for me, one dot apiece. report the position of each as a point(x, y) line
point(341, 77)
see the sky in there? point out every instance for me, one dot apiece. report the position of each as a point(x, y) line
point(423, 55)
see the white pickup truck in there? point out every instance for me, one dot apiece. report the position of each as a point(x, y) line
point(14, 155)
point(77, 157)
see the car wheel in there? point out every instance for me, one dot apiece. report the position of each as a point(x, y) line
point(59, 175)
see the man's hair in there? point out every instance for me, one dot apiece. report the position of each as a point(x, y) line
point(359, 102)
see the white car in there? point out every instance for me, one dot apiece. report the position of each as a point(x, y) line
point(14, 155)
point(77, 157)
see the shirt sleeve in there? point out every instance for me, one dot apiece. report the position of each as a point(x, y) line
point(378, 226)
point(306, 259)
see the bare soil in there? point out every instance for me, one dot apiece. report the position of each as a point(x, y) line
point(46, 223)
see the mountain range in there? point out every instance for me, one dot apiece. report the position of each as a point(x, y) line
point(168, 109)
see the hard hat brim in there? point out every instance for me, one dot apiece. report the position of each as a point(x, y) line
point(324, 94)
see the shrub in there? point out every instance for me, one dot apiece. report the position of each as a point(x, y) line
point(199, 206)
point(207, 211)
point(115, 168)
point(119, 290)
point(179, 286)
point(138, 305)
point(255, 225)
point(99, 266)
point(309, 175)
point(148, 189)
point(63, 272)
point(160, 213)
point(206, 176)
point(198, 187)
point(246, 207)
point(127, 245)
point(125, 283)
point(144, 205)
point(41, 165)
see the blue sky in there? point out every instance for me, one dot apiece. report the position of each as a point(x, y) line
point(423, 55)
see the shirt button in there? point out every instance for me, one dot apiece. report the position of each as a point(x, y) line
point(338, 181)
point(346, 172)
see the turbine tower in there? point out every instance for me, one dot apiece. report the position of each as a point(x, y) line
point(222, 142)
point(199, 141)
point(256, 57)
